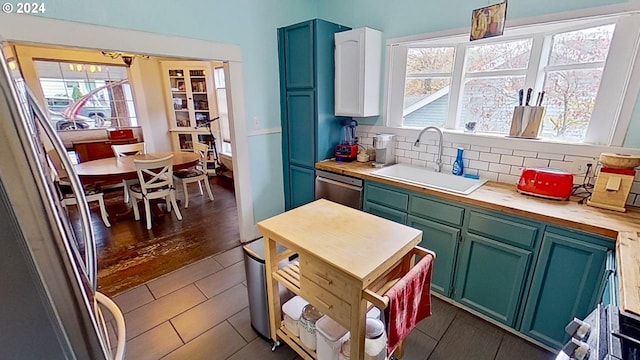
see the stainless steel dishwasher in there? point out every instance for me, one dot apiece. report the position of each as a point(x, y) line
point(342, 189)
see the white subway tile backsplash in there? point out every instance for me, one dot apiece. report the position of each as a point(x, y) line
point(578, 158)
point(500, 168)
point(480, 148)
point(550, 156)
point(427, 156)
point(490, 157)
point(403, 145)
point(446, 144)
point(464, 146)
point(564, 165)
point(400, 138)
point(447, 169)
point(471, 155)
point(422, 147)
point(491, 176)
point(631, 199)
point(365, 141)
point(533, 162)
point(400, 152)
point(433, 149)
point(508, 179)
point(512, 160)
point(420, 163)
point(480, 165)
point(501, 151)
point(449, 151)
point(516, 170)
point(471, 171)
point(525, 153)
point(411, 154)
point(403, 160)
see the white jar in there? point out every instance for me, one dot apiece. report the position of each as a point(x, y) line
point(330, 337)
point(310, 315)
point(375, 344)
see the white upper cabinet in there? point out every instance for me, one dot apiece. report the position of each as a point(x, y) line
point(358, 58)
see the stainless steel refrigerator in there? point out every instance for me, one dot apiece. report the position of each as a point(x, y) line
point(49, 306)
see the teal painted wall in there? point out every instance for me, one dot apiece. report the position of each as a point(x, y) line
point(266, 170)
point(411, 17)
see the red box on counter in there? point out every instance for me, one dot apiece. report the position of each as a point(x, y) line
point(121, 134)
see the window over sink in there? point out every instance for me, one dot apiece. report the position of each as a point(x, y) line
point(579, 63)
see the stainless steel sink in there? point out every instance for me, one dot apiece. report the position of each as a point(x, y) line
point(431, 179)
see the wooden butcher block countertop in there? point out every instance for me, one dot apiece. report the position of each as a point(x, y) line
point(624, 228)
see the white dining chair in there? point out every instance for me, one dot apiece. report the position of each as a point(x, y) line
point(67, 198)
point(128, 150)
point(195, 174)
point(155, 182)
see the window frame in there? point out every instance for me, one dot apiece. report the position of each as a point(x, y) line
point(614, 103)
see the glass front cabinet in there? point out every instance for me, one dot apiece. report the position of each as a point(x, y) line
point(191, 103)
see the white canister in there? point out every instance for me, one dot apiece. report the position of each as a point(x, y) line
point(375, 344)
point(310, 315)
point(292, 310)
point(330, 337)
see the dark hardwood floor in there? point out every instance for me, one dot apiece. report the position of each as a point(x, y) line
point(129, 254)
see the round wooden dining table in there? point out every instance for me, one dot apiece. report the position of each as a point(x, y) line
point(113, 170)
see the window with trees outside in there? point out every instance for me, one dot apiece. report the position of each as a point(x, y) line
point(450, 81)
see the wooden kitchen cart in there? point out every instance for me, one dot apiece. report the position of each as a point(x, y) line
point(346, 260)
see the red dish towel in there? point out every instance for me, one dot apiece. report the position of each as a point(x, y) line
point(409, 302)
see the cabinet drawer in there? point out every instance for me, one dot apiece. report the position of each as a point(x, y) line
point(385, 212)
point(325, 302)
point(387, 197)
point(436, 210)
point(502, 229)
point(329, 278)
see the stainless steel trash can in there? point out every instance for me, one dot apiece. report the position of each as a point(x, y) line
point(254, 265)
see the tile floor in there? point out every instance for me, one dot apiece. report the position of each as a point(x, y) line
point(201, 312)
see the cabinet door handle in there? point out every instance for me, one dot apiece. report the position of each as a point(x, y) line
point(323, 303)
point(322, 278)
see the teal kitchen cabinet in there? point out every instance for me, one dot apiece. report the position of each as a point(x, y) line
point(310, 131)
point(494, 264)
point(568, 282)
point(490, 277)
point(442, 239)
point(386, 201)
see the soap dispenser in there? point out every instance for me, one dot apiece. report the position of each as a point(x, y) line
point(458, 164)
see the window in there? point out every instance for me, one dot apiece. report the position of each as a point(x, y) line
point(450, 81)
point(83, 96)
point(426, 93)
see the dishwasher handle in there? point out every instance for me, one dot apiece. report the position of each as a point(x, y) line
point(338, 183)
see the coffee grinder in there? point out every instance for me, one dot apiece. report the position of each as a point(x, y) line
point(347, 150)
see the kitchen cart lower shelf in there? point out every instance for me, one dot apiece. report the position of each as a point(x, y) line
point(296, 344)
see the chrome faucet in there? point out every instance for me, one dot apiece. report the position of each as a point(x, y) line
point(438, 166)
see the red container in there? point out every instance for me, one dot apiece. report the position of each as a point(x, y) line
point(546, 182)
point(121, 134)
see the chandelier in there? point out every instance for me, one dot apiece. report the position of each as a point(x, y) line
point(127, 58)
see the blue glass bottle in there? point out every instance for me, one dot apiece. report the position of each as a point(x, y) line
point(458, 165)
